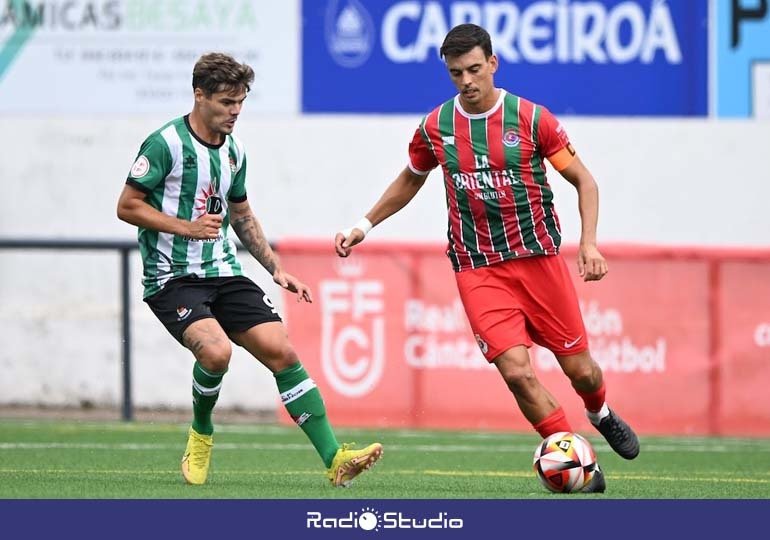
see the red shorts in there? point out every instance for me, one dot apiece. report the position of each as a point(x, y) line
point(521, 301)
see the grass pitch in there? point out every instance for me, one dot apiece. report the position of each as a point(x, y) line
point(77, 460)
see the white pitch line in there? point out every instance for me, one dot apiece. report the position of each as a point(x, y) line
point(500, 439)
point(439, 448)
point(698, 477)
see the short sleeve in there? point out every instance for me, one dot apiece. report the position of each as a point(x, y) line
point(151, 166)
point(422, 160)
point(553, 141)
point(238, 188)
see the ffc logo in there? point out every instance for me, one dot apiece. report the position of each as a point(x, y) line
point(352, 334)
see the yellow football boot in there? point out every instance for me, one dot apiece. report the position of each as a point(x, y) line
point(197, 457)
point(349, 463)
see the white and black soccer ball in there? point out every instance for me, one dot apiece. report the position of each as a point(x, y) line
point(564, 462)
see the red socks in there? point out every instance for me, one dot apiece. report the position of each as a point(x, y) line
point(593, 400)
point(553, 423)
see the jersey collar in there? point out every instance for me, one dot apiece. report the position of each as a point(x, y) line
point(485, 114)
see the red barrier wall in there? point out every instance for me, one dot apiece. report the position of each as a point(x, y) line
point(682, 334)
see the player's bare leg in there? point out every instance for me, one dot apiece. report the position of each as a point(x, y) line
point(212, 350)
point(534, 400)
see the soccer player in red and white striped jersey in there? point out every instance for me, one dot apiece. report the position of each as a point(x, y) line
point(503, 232)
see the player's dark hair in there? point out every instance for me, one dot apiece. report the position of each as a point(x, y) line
point(219, 72)
point(463, 38)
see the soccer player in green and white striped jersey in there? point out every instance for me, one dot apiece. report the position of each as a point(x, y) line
point(504, 235)
point(185, 188)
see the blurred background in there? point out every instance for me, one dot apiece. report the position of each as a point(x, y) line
point(667, 102)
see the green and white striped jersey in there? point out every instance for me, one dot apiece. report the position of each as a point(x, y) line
point(182, 177)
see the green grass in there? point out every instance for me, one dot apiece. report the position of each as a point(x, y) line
point(46, 459)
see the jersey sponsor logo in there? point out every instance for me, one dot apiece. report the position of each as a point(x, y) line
point(209, 202)
point(490, 195)
point(214, 205)
point(511, 139)
point(190, 162)
point(484, 177)
point(448, 139)
point(218, 238)
point(140, 167)
point(349, 32)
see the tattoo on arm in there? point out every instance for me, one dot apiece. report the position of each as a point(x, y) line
point(247, 228)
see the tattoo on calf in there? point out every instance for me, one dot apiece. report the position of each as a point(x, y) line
point(195, 345)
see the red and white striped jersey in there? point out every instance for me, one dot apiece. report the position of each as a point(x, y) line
point(499, 203)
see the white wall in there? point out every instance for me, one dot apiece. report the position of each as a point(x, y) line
point(702, 182)
point(662, 181)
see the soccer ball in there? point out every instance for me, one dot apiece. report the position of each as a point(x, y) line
point(564, 462)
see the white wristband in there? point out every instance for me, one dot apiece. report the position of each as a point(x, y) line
point(363, 224)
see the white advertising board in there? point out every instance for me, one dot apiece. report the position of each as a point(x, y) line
point(136, 56)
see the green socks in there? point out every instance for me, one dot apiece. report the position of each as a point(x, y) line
point(205, 391)
point(298, 393)
point(304, 403)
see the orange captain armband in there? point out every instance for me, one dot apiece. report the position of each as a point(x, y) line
point(561, 159)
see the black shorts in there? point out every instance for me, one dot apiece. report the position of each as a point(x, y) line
point(236, 302)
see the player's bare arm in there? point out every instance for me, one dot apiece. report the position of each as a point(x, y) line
point(591, 264)
point(133, 209)
point(249, 231)
point(396, 196)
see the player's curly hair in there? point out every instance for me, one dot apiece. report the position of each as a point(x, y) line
point(463, 38)
point(219, 72)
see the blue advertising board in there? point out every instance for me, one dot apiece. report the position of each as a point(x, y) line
point(608, 57)
point(743, 58)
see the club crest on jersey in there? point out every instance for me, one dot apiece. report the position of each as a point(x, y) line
point(482, 344)
point(140, 167)
point(183, 312)
point(232, 165)
point(511, 139)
